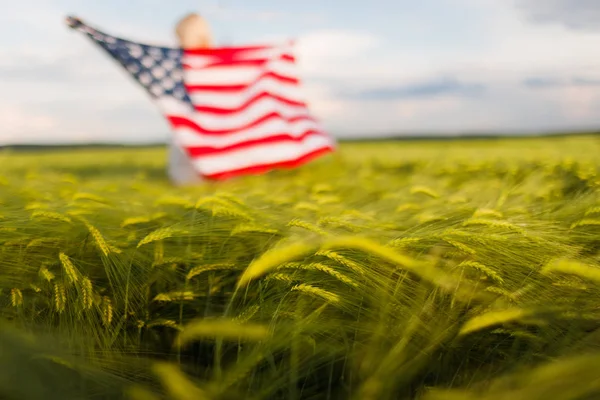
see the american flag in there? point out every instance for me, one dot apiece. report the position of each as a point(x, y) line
point(232, 110)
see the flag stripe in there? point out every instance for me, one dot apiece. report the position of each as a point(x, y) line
point(178, 121)
point(240, 87)
point(230, 99)
point(251, 62)
point(233, 75)
point(197, 151)
point(227, 52)
point(265, 167)
point(262, 154)
point(190, 137)
point(264, 109)
point(254, 101)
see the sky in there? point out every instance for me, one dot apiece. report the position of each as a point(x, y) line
point(378, 68)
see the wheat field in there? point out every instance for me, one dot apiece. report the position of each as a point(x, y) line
point(395, 270)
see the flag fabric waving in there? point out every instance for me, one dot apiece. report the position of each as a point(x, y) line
point(232, 110)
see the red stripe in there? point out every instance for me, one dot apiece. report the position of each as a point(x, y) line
point(224, 52)
point(198, 151)
point(262, 168)
point(247, 104)
point(180, 122)
point(230, 51)
point(256, 62)
point(236, 88)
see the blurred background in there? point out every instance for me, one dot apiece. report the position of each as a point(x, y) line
point(371, 69)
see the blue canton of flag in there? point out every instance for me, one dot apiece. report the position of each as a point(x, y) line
point(157, 69)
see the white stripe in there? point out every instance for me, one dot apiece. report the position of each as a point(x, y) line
point(238, 120)
point(199, 61)
point(289, 91)
point(187, 137)
point(260, 154)
point(237, 75)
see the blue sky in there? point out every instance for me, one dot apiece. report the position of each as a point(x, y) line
point(370, 68)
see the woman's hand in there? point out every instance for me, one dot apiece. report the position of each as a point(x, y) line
point(73, 22)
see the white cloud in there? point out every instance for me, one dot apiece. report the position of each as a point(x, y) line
point(16, 121)
point(572, 14)
point(517, 50)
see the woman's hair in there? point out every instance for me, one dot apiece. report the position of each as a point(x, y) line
point(193, 32)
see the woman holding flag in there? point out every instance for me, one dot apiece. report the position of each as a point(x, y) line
point(233, 111)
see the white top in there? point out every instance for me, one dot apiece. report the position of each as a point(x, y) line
point(180, 169)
